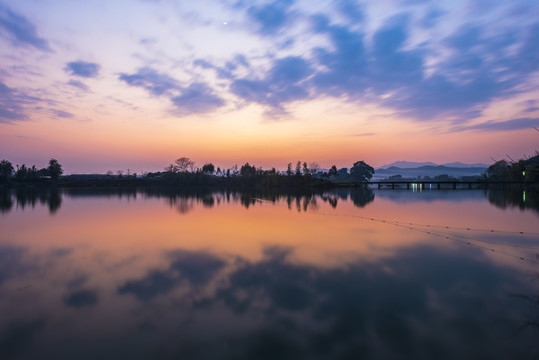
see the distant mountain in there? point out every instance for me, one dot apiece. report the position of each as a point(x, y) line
point(430, 171)
point(415, 165)
point(407, 164)
point(462, 165)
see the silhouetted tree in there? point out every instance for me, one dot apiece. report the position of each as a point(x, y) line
point(22, 172)
point(305, 169)
point(55, 169)
point(289, 169)
point(333, 171)
point(32, 173)
point(361, 171)
point(43, 172)
point(6, 170)
point(248, 171)
point(532, 170)
point(298, 168)
point(183, 164)
point(208, 168)
point(313, 167)
point(498, 171)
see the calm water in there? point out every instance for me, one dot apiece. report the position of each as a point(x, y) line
point(208, 275)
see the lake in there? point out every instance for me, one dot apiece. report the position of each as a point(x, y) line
point(202, 274)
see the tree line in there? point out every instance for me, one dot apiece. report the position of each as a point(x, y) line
point(23, 173)
point(523, 170)
point(359, 172)
point(183, 172)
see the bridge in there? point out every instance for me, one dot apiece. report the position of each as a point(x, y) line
point(445, 184)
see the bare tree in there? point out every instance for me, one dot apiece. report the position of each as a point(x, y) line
point(313, 168)
point(183, 164)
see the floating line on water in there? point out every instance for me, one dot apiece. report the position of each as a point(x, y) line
point(469, 241)
point(445, 236)
point(405, 224)
point(454, 227)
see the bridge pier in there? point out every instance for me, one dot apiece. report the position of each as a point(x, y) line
point(439, 185)
point(407, 186)
point(379, 185)
point(454, 186)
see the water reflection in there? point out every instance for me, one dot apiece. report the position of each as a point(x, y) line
point(518, 198)
point(185, 199)
point(423, 303)
point(211, 274)
point(52, 198)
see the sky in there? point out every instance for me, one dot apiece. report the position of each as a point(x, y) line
point(117, 85)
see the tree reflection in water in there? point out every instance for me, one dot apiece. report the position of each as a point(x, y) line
point(113, 279)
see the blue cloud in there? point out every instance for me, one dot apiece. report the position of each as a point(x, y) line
point(20, 31)
point(61, 114)
point(528, 58)
point(345, 65)
point(222, 73)
point(271, 17)
point(431, 17)
point(151, 80)
point(508, 125)
point(480, 69)
point(283, 83)
point(352, 10)
point(82, 68)
point(197, 98)
point(13, 103)
point(78, 84)
point(195, 268)
point(226, 71)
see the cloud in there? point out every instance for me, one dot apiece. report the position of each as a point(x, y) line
point(81, 298)
point(20, 335)
point(12, 104)
point(20, 31)
point(12, 261)
point(10, 110)
point(508, 125)
point(226, 71)
point(283, 83)
point(197, 268)
point(474, 65)
point(82, 68)
point(151, 80)
point(78, 84)
point(195, 98)
point(271, 17)
point(352, 10)
point(61, 114)
point(478, 69)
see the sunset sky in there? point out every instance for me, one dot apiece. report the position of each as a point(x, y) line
point(117, 85)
